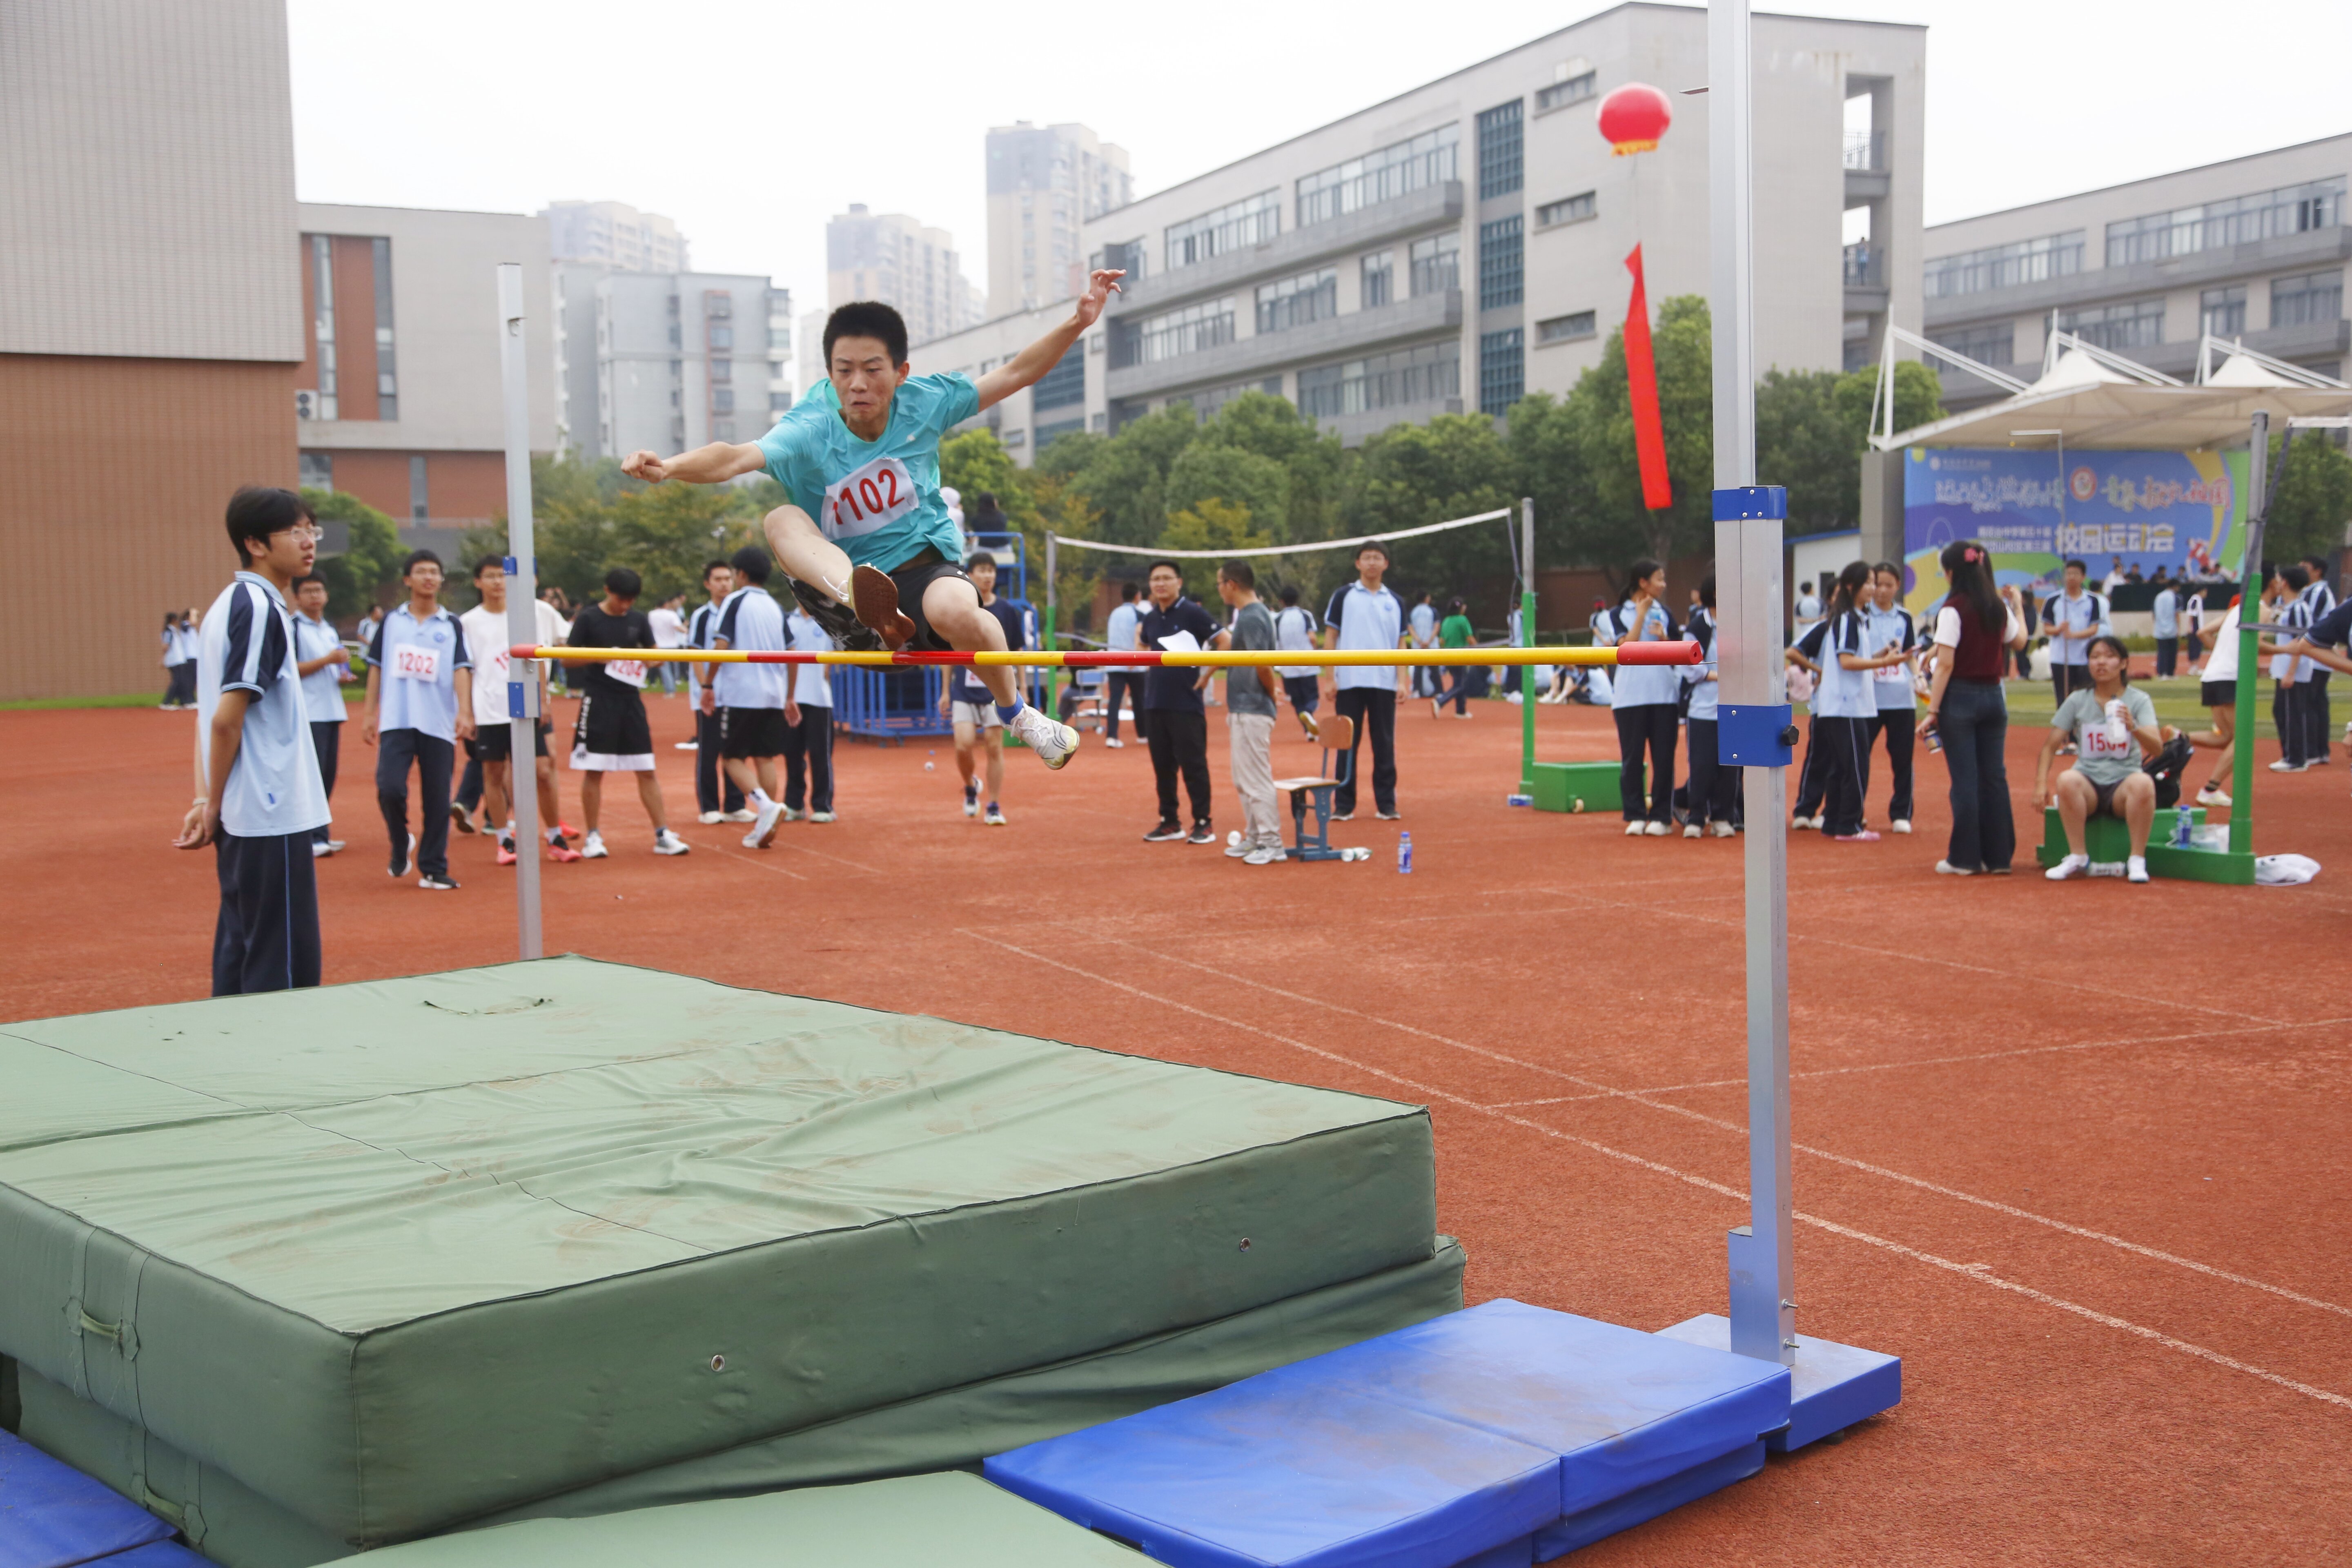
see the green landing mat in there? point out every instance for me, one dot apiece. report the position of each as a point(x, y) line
point(397, 1256)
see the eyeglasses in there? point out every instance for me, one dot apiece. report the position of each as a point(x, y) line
point(305, 533)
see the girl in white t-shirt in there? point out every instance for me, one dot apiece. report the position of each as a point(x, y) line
point(1845, 703)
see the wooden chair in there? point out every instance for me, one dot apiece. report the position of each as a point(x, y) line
point(1337, 733)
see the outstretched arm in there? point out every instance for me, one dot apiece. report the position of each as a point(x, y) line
point(1030, 365)
point(712, 465)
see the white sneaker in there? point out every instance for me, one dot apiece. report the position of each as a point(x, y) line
point(592, 847)
point(995, 818)
point(684, 746)
point(740, 814)
point(2135, 870)
point(320, 848)
point(971, 800)
point(2208, 796)
point(1054, 742)
point(710, 818)
point(794, 813)
point(1800, 822)
point(669, 843)
point(1236, 846)
point(1721, 829)
point(822, 817)
point(1635, 829)
point(763, 826)
point(1657, 830)
point(1946, 868)
point(1902, 824)
point(2072, 865)
point(1692, 830)
point(1267, 854)
point(1116, 745)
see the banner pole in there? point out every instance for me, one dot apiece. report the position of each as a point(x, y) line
point(522, 611)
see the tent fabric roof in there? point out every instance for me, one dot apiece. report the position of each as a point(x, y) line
point(2112, 413)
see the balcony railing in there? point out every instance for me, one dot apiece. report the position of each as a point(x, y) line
point(1865, 267)
point(1865, 152)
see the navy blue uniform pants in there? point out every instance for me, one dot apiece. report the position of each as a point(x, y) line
point(435, 760)
point(267, 936)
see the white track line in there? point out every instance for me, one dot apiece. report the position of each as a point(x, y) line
point(1643, 1097)
point(762, 864)
point(1966, 1271)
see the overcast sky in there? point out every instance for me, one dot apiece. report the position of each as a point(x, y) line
point(751, 123)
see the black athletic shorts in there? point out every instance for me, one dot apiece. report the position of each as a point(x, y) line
point(751, 731)
point(2218, 693)
point(611, 725)
point(495, 742)
point(2105, 806)
point(1305, 691)
point(912, 578)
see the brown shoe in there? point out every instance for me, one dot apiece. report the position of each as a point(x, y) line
point(875, 597)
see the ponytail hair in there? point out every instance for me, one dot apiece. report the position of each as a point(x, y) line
point(1969, 567)
point(1851, 581)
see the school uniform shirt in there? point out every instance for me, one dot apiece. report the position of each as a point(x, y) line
point(1119, 634)
point(322, 694)
point(1424, 627)
point(1172, 689)
point(419, 661)
point(2297, 614)
point(812, 684)
point(2166, 614)
point(1365, 618)
point(1640, 685)
point(2087, 612)
point(669, 627)
point(879, 500)
point(2223, 664)
point(488, 640)
point(1704, 692)
point(750, 619)
point(2192, 615)
point(1294, 632)
point(963, 685)
point(1890, 631)
point(247, 644)
point(1843, 694)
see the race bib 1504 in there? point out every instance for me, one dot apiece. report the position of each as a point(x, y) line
point(413, 661)
point(880, 493)
point(627, 671)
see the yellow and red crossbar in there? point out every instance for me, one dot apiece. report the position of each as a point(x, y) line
point(1633, 653)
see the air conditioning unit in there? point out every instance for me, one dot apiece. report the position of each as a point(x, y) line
point(306, 403)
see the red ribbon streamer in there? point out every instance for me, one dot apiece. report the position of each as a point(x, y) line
point(1641, 381)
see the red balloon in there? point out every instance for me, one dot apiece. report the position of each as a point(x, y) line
point(1633, 117)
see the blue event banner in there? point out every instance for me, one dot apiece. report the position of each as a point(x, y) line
point(2035, 510)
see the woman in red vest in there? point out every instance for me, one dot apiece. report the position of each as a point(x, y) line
point(1975, 628)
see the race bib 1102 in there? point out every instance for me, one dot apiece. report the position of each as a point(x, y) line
point(879, 493)
point(414, 661)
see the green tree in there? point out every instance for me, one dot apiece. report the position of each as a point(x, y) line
point(1803, 443)
point(588, 518)
point(1211, 524)
point(1918, 400)
point(1549, 465)
point(1124, 481)
point(1270, 428)
point(2312, 506)
point(1207, 470)
point(1454, 466)
point(1616, 527)
point(370, 559)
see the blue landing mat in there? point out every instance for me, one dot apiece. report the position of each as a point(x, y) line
point(1832, 1386)
point(1423, 1448)
point(53, 1515)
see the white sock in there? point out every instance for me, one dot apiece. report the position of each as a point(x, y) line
point(758, 796)
point(2136, 863)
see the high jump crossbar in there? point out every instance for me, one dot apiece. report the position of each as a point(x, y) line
point(1637, 653)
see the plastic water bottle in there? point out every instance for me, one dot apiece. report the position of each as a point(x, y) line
point(2181, 828)
point(1404, 854)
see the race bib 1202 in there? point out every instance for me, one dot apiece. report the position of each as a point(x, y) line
point(880, 493)
point(414, 661)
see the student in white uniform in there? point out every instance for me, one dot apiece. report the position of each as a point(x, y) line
point(258, 798)
point(2291, 677)
point(485, 627)
point(1712, 793)
point(1365, 615)
point(323, 665)
point(2318, 603)
point(751, 697)
point(709, 778)
point(420, 704)
point(1896, 716)
point(2217, 690)
point(1646, 701)
point(179, 663)
point(668, 621)
point(1294, 632)
point(808, 725)
point(2070, 618)
point(1844, 705)
point(1123, 685)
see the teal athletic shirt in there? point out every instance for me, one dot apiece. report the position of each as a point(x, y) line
point(879, 500)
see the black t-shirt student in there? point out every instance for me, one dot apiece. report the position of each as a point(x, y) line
point(593, 628)
point(1176, 690)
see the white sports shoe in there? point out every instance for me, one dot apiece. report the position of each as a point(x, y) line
point(764, 827)
point(821, 817)
point(1635, 829)
point(592, 847)
point(1054, 742)
point(2071, 867)
point(709, 818)
point(1902, 824)
point(1692, 830)
point(740, 814)
point(669, 843)
point(1267, 854)
point(1657, 830)
point(2208, 796)
point(2135, 870)
point(1721, 828)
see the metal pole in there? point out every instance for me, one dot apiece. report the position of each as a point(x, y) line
point(522, 608)
point(2251, 583)
point(1527, 631)
point(1763, 1312)
point(1052, 600)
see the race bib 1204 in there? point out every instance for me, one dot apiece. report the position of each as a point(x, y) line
point(627, 671)
point(413, 661)
point(863, 501)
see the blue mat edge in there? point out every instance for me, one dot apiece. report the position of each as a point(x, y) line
point(132, 1527)
point(1832, 1386)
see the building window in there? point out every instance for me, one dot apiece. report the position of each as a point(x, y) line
point(1437, 263)
point(718, 304)
point(1380, 280)
point(1561, 94)
point(1428, 375)
point(1172, 333)
point(1205, 403)
point(322, 321)
point(1061, 386)
point(722, 400)
point(2240, 220)
point(721, 337)
point(723, 369)
point(775, 370)
point(2222, 311)
point(420, 498)
point(1126, 256)
point(1502, 370)
point(1397, 170)
point(2005, 266)
point(1045, 432)
point(1994, 345)
point(780, 339)
point(1295, 302)
point(1252, 221)
point(780, 403)
point(722, 429)
point(387, 383)
point(2314, 297)
point(2135, 324)
point(1573, 209)
point(1502, 255)
point(1015, 437)
point(317, 471)
point(1501, 138)
point(1568, 329)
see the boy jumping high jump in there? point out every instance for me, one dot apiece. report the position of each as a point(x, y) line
point(866, 525)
